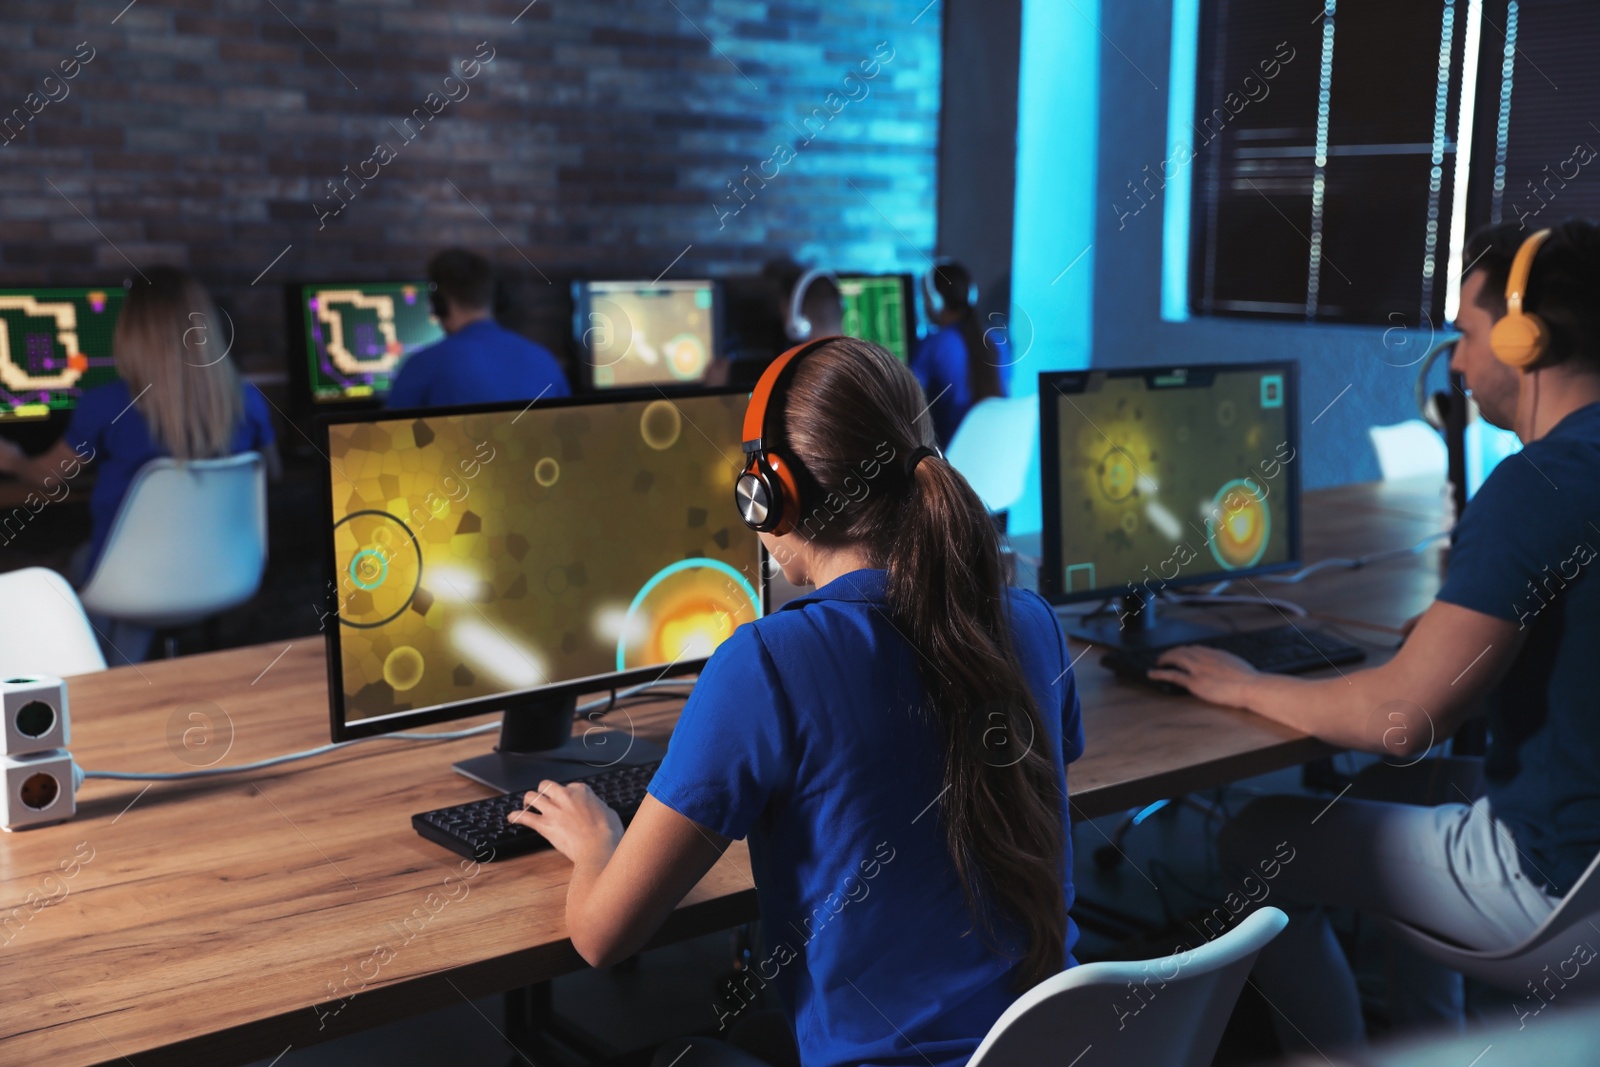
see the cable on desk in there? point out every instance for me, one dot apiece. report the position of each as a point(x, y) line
point(1349, 564)
point(79, 775)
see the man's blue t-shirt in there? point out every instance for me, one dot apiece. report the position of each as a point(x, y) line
point(1524, 551)
point(940, 365)
point(107, 429)
point(482, 363)
point(806, 733)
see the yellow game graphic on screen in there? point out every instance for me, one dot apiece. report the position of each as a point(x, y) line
point(1171, 479)
point(484, 554)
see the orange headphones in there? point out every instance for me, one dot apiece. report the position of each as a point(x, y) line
point(768, 491)
point(1521, 338)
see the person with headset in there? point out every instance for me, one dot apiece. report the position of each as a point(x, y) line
point(1478, 852)
point(893, 744)
point(478, 361)
point(959, 363)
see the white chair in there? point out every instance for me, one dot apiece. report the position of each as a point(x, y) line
point(992, 447)
point(43, 629)
point(1409, 449)
point(1540, 958)
point(1156, 1013)
point(189, 541)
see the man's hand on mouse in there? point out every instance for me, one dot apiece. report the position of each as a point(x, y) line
point(1214, 676)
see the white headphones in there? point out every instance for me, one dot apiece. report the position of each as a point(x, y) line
point(797, 327)
point(930, 291)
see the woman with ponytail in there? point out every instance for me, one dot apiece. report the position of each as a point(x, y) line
point(959, 363)
point(893, 744)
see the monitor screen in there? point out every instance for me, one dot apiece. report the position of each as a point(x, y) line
point(572, 546)
point(637, 334)
point(879, 308)
point(358, 333)
point(1163, 476)
point(54, 343)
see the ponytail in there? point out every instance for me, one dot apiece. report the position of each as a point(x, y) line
point(1001, 804)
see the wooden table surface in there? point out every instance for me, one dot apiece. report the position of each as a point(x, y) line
point(224, 920)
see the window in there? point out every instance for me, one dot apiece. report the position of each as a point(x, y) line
point(1538, 113)
point(1324, 159)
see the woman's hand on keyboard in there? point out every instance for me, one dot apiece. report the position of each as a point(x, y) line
point(577, 823)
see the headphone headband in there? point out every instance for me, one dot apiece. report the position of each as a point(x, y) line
point(797, 327)
point(1521, 268)
point(755, 416)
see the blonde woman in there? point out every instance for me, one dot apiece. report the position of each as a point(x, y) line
point(177, 394)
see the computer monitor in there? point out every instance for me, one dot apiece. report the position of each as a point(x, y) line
point(880, 308)
point(508, 558)
point(352, 337)
point(54, 344)
point(635, 333)
point(1157, 477)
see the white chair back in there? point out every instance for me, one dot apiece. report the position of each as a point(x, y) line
point(1409, 449)
point(189, 541)
point(993, 446)
point(1156, 1013)
point(43, 629)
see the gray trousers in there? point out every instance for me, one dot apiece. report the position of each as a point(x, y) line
point(1416, 844)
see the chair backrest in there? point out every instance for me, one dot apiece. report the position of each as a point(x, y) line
point(1549, 954)
point(1408, 449)
point(189, 540)
point(43, 629)
point(1157, 1013)
point(993, 447)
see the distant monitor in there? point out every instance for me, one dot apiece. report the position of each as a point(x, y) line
point(54, 344)
point(636, 333)
point(355, 335)
point(1165, 476)
point(880, 308)
point(508, 558)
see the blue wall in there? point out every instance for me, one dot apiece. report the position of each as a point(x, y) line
point(1053, 255)
point(1124, 325)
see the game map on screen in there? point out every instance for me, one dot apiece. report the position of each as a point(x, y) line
point(54, 344)
point(358, 335)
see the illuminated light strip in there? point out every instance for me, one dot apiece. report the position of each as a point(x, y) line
point(1319, 179)
point(1458, 202)
point(1180, 118)
point(1502, 128)
point(1441, 104)
point(492, 652)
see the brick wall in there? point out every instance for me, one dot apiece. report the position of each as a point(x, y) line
point(599, 137)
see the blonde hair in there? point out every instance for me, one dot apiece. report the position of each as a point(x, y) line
point(171, 349)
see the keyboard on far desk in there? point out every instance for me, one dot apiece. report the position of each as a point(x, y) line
point(478, 829)
point(1279, 650)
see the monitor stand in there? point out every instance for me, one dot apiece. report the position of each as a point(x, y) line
point(1137, 625)
point(537, 744)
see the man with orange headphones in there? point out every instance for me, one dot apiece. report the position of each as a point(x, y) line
point(1478, 852)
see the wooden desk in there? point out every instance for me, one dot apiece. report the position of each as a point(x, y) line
point(224, 920)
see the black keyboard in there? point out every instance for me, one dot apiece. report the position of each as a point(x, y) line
point(478, 830)
point(1279, 650)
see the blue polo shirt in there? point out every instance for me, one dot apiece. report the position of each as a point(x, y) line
point(108, 427)
point(940, 365)
point(1525, 551)
point(805, 733)
point(483, 363)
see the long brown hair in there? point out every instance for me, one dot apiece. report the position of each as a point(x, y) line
point(946, 592)
point(171, 347)
point(954, 285)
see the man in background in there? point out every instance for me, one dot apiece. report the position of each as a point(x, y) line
point(479, 361)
